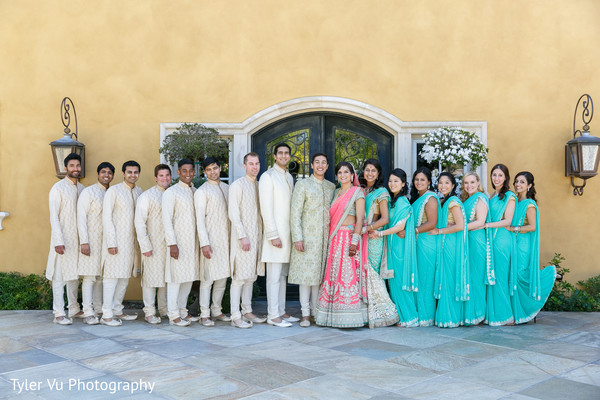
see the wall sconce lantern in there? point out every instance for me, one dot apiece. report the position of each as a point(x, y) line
point(581, 152)
point(66, 145)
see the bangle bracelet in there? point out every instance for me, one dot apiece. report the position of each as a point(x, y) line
point(380, 233)
point(417, 230)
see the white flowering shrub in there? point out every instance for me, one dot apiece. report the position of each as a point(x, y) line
point(453, 146)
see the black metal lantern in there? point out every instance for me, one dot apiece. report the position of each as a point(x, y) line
point(66, 145)
point(582, 152)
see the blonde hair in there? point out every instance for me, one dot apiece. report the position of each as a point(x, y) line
point(463, 193)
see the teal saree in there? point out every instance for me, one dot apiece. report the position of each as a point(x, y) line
point(376, 246)
point(500, 242)
point(475, 308)
point(531, 286)
point(402, 259)
point(452, 270)
point(426, 260)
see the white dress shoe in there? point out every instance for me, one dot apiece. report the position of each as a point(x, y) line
point(191, 318)
point(63, 321)
point(127, 317)
point(153, 319)
point(91, 320)
point(282, 324)
point(254, 320)
point(206, 322)
point(222, 318)
point(182, 322)
point(112, 322)
point(291, 319)
point(305, 323)
point(240, 323)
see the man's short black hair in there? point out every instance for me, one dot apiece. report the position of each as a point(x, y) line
point(131, 163)
point(210, 160)
point(312, 160)
point(105, 164)
point(184, 161)
point(72, 156)
point(282, 144)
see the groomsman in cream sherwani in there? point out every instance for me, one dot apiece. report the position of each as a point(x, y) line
point(151, 237)
point(179, 222)
point(64, 242)
point(276, 186)
point(89, 226)
point(246, 241)
point(120, 252)
point(309, 222)
point(212, 221)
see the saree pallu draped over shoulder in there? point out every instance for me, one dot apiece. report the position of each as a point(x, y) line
point(530, 287)
point(426, 261)
point(402, 260)
point(499, 250)
point(478, 265)
point(381, 309)
point(377, 252)
point(341, 296)
point(452, 270)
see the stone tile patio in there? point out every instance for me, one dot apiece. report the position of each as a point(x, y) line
point(557, 358)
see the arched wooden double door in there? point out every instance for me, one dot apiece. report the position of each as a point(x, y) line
point(341, 137)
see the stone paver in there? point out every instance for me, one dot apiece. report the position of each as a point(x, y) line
point(557, 358)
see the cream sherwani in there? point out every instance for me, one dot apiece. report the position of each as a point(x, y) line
point(244, 214)
point(246, 222)
point(309, 221)
point(89, 224)
point(310, 224)
point(212, 221)
point(63, 224)
point(118, 214)
point(276, 186)
point(62, 269)
point(179, 222)
point(151, 237)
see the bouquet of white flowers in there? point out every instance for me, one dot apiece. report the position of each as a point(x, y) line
point(453, 147)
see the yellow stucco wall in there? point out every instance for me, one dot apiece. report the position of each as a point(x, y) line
point(130, 65)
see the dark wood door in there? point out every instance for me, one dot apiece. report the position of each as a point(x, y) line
point(341, 137)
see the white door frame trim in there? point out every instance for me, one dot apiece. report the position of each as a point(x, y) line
point(403, 131)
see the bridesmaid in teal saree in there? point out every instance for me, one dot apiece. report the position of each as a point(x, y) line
point(377, 213)
point(401, 251)
point(530, 287)
point(499, 239)
point(451, 286)
point(476, 209)
point(426, 208)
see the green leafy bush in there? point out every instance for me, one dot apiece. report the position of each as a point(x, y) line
point(24, 292)
point(567, 297)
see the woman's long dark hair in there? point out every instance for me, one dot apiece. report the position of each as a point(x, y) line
point(453, 191)
point(506, 185)
point(529, 178)
point(414, 193)
point(404, 191)
point(379, 182)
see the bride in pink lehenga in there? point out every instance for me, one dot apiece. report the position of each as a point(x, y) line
point(341, 295)
point(346, 284)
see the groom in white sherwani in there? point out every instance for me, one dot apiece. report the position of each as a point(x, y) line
point(275, 193)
